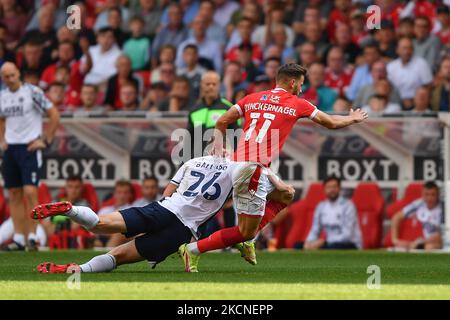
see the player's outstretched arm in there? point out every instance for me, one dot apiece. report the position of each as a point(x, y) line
point(228, 118)
point(337, 121)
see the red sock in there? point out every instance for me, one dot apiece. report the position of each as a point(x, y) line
point(221, 239)
point(272, 209)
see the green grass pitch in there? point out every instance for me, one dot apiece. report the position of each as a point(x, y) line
point(280, 275)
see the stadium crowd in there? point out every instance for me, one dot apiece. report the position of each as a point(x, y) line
point(151, 54)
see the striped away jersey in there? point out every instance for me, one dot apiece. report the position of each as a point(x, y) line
point(23, 111)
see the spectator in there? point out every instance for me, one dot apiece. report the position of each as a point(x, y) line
point(251, 12)
point(55, 94)
point(337, 217)
point(104, 56)
point(174, 33)
point(116, 24)
point(339, 16)
point(31, 77)
point(188, 9)
point(279, 41)
point(167, 74)
point(88, 98)
point(316, 92)
point(341, 105)
point(233, 80)
point(379, 105)
point(214, 31)
point(311, 11)
point(128, 97)
point(440, 100)
point(338, 75)
point(155, 95)
point(378, 72)
point(59, 16)
point(274, 15)
point(405, 28)
point(262, 83)
point(150, 192)
point(124, 75)
point(71, 96)
point(224, 11)
point(245, 28)
point(308, 54)
point(209, 51)
point(102, 19)
point(12, 16)
point(193, 71)
point(362, 76)
point(244, 57)
point(123, 195)
point(428, 211)
point(167, 55)
point(314, 35)
point(150, 13)
point(408, 72)
point(271, 66)
point(443, 16)
point(137, 48)
point(66, 57)
point(179, 97)
point(358, 28)
point(44, 32)
point(205, 112)
point(426, 45)
point(73, 189)
point(344, 41)
point(385, 38)
point(422, 100)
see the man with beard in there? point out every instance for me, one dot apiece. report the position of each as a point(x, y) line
point(337, 217)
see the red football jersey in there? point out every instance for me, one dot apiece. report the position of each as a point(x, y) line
point(269, 118)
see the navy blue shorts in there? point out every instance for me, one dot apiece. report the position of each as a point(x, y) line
point(21, 167)
point(163, 231)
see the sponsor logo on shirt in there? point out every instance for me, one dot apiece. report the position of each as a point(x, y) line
point(275, 99)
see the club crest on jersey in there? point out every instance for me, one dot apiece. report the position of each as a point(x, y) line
point(275, 99)
point(264, 97)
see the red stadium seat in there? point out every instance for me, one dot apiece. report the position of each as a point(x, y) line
point(369, 203)
point(412, 192)
point(410, 230)
point(302, 214)
point(44, 195)
point(88, 193)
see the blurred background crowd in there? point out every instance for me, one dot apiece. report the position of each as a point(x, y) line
point(151, 54)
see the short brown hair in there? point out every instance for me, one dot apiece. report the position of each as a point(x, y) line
point(290, 71)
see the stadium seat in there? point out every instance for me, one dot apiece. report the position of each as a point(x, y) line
point(410, 230)
point(88, 193)
point(413, 191)
point(302, 214)
point(44, 195)
point(369, 203)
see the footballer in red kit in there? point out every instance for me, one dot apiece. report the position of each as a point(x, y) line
point(258, 194)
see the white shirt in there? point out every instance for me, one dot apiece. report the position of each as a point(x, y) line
point(23, 111)
point(430, 219)
point(103, 64)
point(204, 185)
point(339, 220)
point(407, 78)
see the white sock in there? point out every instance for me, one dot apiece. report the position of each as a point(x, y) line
point(84, 216)
point(6, 230)
point(103, 263)
point(193, 248)
point(19, 238)
point(41, 235)
point(32, 236)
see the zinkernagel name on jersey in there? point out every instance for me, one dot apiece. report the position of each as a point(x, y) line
point(263, 106)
